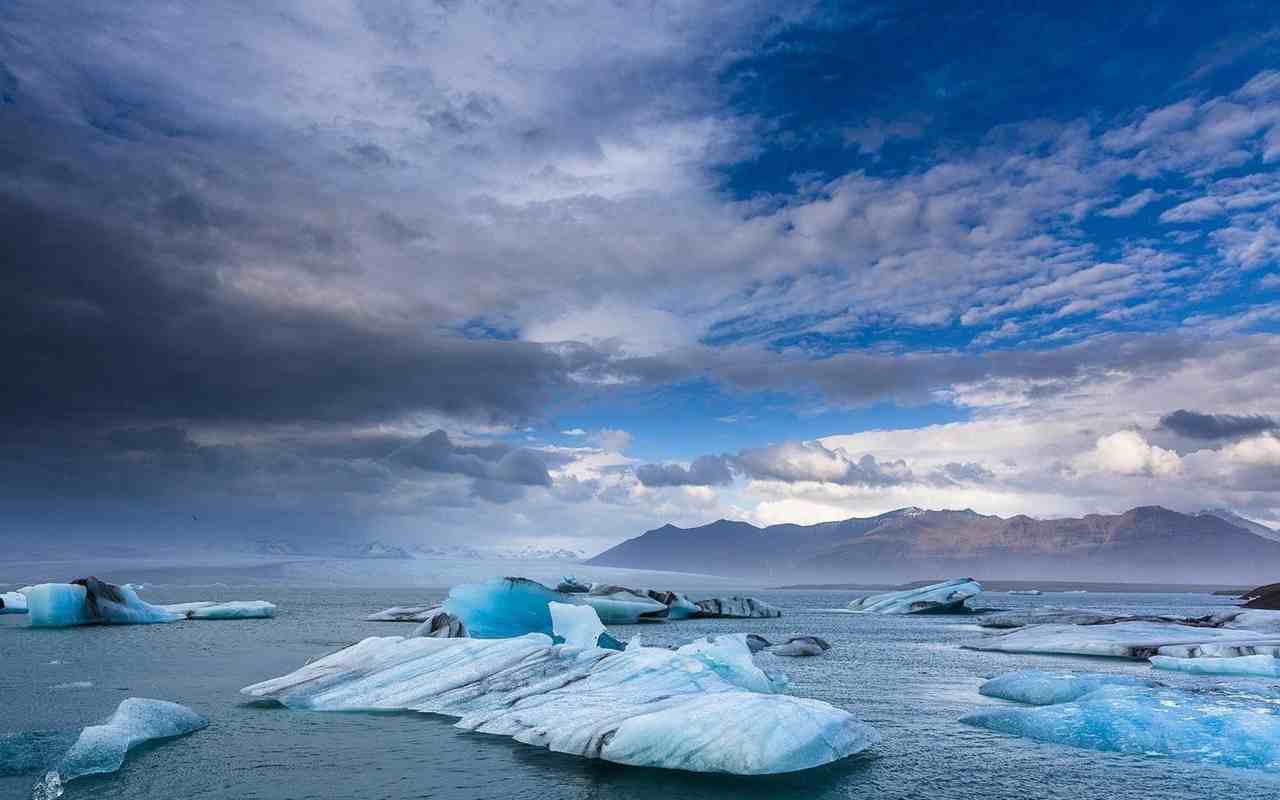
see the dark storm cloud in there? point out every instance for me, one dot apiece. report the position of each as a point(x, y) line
point(496, 463)
point(1196, 425)
point(704, 471)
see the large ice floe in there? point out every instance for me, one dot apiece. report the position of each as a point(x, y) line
point(1228, 727)
point(13, 603)
point(1138, 640)
point(947, 597)
point(645, 706)
point(89, 601)
point(1048, 688)
point(235, 609)
point(1257, 666)
point(102, 748)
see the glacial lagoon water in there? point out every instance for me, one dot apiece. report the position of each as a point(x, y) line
point(907, 676)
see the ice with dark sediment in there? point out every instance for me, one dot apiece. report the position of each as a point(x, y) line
point(1138, 640)
point(737, 608)
point(645, 706)
point(90, 601)
point(948, 597)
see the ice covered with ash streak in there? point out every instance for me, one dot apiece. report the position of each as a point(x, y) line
point(939, 598)
point(645, 706)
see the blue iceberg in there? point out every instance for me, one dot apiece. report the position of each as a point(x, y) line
point(88, 602)
point(947, 597)
point(1234, 729)
point(102, 748)
point(1258, 666)
point(1048, 688)
point(645, 706)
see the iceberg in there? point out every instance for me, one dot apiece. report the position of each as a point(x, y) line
point(1055, 616)
point(578, 626)
point(1260, 666)
point(618, 605)
point(645, 706)
point(504, 607)
point(13, 603)
point(442, 625)
point(571, 585)
point(756, 642)
point(235, 609)
point(1138, 640)
point(947, 597)
point(1048, 688)
point(1233, 728)
point(678, 605)
point(737, 608)
point(102, 748)
point(404, 614)
point(1229, 649)
point(801, 646)
point(90, 601)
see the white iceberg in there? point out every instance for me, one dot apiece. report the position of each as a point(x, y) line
point(1261, 666)
point(1048, 688)
point(102, 748)
point(737, 608)
point(947, 597)
point(1232, 728)
point(645, 706)
point(13, 603)
point(1139, 640)
point(234, 609)
point(1032, 592)
point(578, 626)
point(89, 602)
point(404, 614)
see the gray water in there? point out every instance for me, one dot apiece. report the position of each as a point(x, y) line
point(906, 676)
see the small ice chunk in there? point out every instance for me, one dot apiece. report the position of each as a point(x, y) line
point(645, 706)
point(102, 748)
point(801, 646)
point(1231, 728)
point(1047, 688)
point(578, 626)
point(947, 597)
point(1139, 640)
point(1245, 666)
point(13, 603)
point(73, 685)
point(737, 608)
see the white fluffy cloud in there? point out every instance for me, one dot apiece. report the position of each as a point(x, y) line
point(1127, 453)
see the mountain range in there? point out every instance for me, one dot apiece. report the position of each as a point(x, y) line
point(1145, 544)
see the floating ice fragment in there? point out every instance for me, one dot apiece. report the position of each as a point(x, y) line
point(737, 608)
point(1246, 666)
point(646, 706)
point(90, 601)
point(404, 614)
point(801, 646)
point(1047, 688)
point(947, 597)
point(235, 609)
point(578, 626)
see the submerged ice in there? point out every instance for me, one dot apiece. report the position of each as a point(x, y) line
point(1230, 728)
point(645, 706)
point(939, 598)
point(1048, 688)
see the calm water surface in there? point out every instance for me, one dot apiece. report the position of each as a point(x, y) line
point(904, 675)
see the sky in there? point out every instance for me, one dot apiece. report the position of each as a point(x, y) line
point(548, 275)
